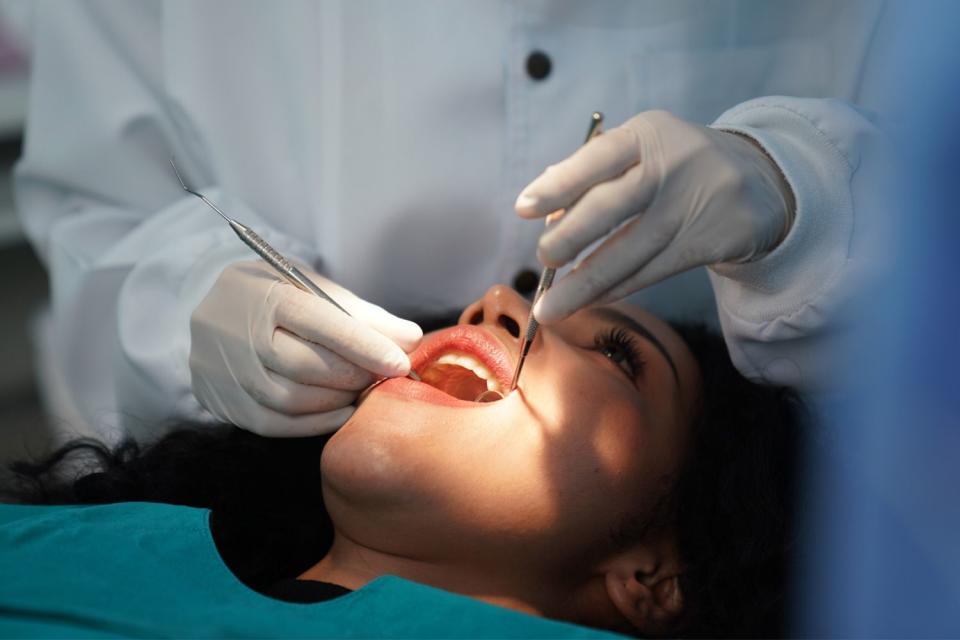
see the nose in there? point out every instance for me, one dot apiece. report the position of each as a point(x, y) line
point(501, 305)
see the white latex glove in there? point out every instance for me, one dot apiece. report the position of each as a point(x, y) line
point(272, 359)
point(685, 195)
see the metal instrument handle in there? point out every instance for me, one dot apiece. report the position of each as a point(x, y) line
point(296, 277)
point(547, 275)
point(270, 255)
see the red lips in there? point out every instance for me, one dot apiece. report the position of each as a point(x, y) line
point(465, 339)
point(472, 341)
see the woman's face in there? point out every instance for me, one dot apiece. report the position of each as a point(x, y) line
point(536, 481)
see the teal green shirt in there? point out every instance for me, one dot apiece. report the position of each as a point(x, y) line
point(142, 569)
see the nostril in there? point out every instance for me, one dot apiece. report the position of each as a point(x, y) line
point(476, 318)
point(510, 325)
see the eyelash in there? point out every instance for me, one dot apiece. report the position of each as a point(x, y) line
point(618, 340)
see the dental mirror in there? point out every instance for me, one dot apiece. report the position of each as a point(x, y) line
point(489, 396)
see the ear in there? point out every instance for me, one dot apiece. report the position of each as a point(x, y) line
point(646, 591)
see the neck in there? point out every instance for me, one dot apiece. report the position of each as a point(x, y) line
point(353, 565)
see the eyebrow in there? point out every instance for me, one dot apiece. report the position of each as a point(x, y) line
point(619, 317)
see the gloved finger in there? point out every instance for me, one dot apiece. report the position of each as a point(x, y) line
point(682, 254)
point(309, 363)
point(665, 264)
point(316, 320)
point(245, 412)
point(622, 254)
point(601, 159)
point(599, 211)
point(406, 334)
point(285, 396)
point(272, 424)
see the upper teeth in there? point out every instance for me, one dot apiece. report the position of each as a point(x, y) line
point(468, 362)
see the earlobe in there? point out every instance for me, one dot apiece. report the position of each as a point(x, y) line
point(650, 603)
point(631, 598)
point(668, 596)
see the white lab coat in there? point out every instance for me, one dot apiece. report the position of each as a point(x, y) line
point(384, 142)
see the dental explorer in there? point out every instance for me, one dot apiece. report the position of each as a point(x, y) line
point(270, 255)
point(546, 276)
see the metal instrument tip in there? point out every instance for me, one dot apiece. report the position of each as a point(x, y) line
point(547, 275)
point(199, 195)
point(179, 177)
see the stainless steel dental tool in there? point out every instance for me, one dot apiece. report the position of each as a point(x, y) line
point(546, 276)
point(270, 255)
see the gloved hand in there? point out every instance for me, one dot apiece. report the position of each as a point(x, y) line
point(272, 359)
point(686, 195)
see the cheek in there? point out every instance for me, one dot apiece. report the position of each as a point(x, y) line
point(588, 416)
point(593, 430)
point(617, 445)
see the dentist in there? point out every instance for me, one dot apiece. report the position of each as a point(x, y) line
point(382, 146)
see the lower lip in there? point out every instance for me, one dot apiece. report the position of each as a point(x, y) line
point(411, 389)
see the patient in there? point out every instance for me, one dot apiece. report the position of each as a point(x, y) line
point(635, 482)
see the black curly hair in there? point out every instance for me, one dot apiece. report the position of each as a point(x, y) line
point(732, 504)
point(737, 499)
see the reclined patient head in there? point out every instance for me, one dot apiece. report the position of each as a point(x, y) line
point(563, 495)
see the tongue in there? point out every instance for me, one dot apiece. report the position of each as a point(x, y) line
point(454, 380)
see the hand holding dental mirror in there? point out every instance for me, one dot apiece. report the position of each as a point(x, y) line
point(667, 195)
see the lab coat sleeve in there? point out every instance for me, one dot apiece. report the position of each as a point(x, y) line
point(781, 314)
point(129, 254)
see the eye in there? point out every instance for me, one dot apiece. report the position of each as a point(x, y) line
point(621, 348)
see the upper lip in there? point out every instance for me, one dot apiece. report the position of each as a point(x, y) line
point(471, 340)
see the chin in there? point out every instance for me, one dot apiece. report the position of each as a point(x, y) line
point(375, 487)
point(366, 461)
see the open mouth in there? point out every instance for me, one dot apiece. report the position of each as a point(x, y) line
point(464, 362)
point(461, 376)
